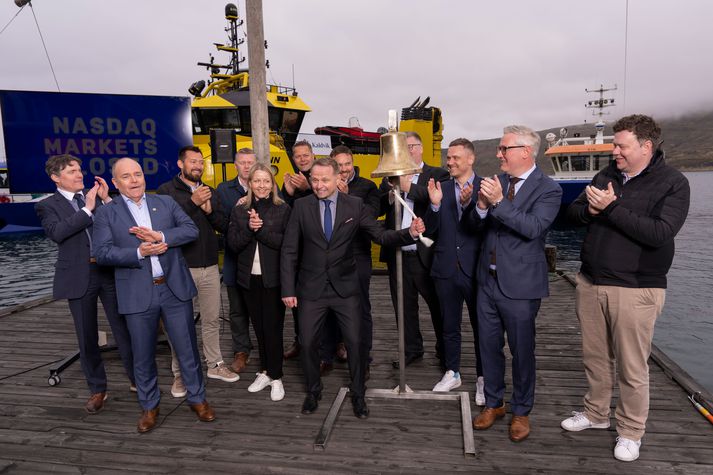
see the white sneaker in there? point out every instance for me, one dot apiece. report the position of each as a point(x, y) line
point(178, 389)
point(448, 382)
point(626, 450)
point(222, 372)
point(480, 392)
point(579, 421)
point(277, 393)
point(261, 382)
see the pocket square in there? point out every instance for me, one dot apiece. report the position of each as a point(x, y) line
point(350, 219)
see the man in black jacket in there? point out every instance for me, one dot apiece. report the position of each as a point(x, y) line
point(201, 204)
point(633, 210)
point(351, 183)
point(417, 258)
point(295, 186)
point(229, 193)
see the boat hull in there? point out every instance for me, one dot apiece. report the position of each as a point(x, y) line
point(18, 217)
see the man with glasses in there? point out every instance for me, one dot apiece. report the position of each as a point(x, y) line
point(633, 209)
point(417, 258)
point(516, 209)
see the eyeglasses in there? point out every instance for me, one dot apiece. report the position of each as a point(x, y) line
point(502, 149)
point(412, 146)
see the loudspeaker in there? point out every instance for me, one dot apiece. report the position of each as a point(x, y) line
point(222, 145)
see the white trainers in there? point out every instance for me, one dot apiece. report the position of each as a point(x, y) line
point(626, 450)
point(178, 389)
point(261, 382)
point(579, 421)
point(448, 382)
point(480, 392)
point(277, 393)
point(222, 372)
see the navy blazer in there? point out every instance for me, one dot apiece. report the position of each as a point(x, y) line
point(65, 226)
point(517, 230)
point(457, 240)
point(229, 193)
point(308, 261)
point(115, 246)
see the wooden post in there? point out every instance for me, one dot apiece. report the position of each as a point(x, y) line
point(258, 83)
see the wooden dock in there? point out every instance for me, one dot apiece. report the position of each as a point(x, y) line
point(45, 429)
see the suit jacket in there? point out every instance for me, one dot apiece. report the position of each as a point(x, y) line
point(115, 246)
point(242, 241)
point(457, 240)
point(229, 193)
point(421, 202)
point(517, 230)
point(309, 261)
point(66, 227)
point(367, 191)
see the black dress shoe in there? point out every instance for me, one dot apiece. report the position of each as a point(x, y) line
point(359, 406)
point(409, 359)
point(311, 403)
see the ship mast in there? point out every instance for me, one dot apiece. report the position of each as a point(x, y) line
point(597, 106)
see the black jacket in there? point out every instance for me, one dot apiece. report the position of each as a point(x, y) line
point(202, 252)
point(229, 192)
point(366, 190)
point(290, 199)
point(630, 244)
point(243, 241)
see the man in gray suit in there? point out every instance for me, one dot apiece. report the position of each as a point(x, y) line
point(517, 208)
point(140, 235)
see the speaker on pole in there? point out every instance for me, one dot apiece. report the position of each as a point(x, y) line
point(222, 145)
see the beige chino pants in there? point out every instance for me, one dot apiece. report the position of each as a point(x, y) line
point(617, 329)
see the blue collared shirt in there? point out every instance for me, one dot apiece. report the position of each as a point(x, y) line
point(140, 212)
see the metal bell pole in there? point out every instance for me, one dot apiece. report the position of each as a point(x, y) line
point(395, 161)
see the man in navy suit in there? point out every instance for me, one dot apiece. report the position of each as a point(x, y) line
point(67, 218)
point(455, 255)
point(319, 273)
point(229, 193)
point(517, 208)
point(141, 236)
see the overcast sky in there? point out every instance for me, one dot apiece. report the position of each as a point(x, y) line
point(485, 64)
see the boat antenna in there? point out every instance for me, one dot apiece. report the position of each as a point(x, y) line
point(598, 105)
point(44, 46)
point(293, 77)
point(626, 50)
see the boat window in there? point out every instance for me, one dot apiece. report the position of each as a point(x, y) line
point(274, 118)
point(579, 163)
point(206, 119)
point(602, 161)
point(556, 164)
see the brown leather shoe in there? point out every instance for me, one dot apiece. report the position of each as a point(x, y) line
point(204, 412)
point(240, 362)
point(293, 351)
point(341, 353)
point(487, 417)
point(325, 368)
point(148, 420)
point(95, 403)
point(519, 428)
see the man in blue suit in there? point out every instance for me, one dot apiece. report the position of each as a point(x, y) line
point(140, 235)
point(67, 218)
point(517, 208)
point(450, 222)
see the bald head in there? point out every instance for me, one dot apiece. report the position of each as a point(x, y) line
point(128, 178)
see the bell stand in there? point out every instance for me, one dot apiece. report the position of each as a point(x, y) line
point(402, 391)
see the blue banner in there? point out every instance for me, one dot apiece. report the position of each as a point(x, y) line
point(97, 128)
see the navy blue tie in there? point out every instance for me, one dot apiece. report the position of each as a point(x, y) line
point(327, 219)
point(80, 204)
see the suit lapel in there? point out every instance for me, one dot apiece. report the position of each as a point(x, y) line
point(528, 187)
point(64, 204)
point(316, 217)
point(342, 212)
point(123, 212)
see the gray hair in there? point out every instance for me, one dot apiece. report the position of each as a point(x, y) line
point(525, 136)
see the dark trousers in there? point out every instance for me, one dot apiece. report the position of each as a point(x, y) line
point(346, 311)
point(417, 280)
point(498, 314)
point(177, 317)
point(239, 321)
point(84, 313)
point(332, 334)
point(452, 292)
point(267, 313)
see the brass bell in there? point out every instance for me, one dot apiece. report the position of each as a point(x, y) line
point(395, 160)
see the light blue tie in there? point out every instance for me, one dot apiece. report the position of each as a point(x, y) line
point(327, 219)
